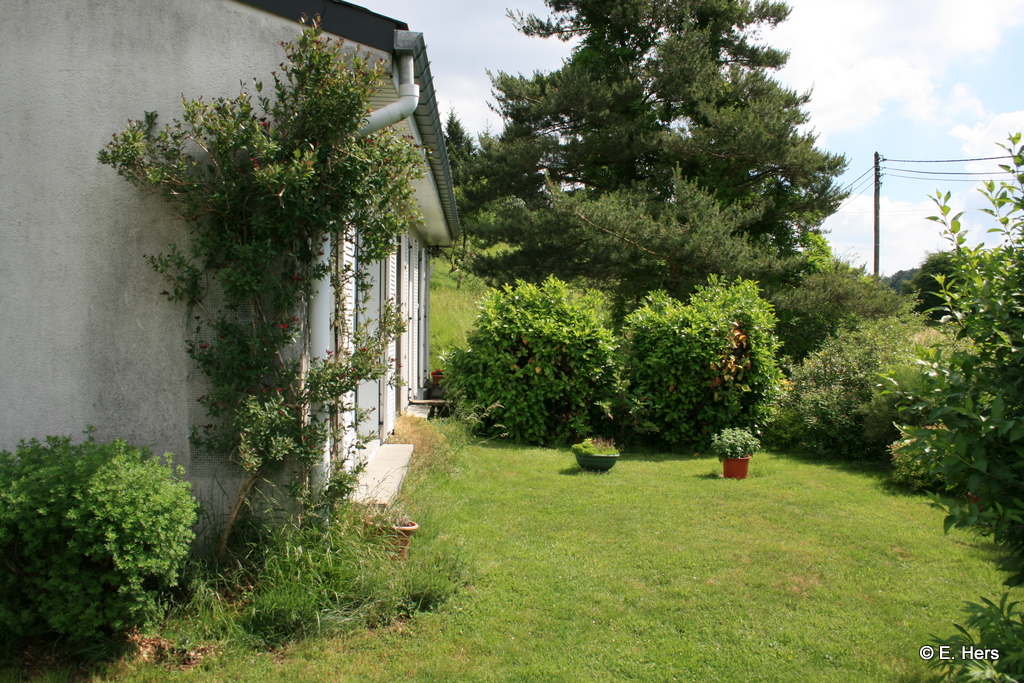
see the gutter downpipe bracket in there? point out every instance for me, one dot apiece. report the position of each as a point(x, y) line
point(321, 300)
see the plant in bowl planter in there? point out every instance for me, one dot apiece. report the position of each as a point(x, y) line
point(734, 447)
point(596, 454)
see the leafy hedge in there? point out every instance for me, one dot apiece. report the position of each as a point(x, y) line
point(89, 534)
point(539, 363)
point(698, 368)
point(833, 403)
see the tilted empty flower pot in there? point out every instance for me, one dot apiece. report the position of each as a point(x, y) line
point(403, 533)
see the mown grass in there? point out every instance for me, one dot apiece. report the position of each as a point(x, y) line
point(658, 571)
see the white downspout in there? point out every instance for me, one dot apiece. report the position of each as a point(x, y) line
point(322, 298)
point(400, 109)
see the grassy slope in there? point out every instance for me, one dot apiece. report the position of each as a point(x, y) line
point(662, 571)
point(452, 310)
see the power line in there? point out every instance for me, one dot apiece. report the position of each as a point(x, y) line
point(910, 170)
point(945, 180)
point(943, 161)
point(942, 177)
point(855, 193)
point(857, 179)
point(864, 184)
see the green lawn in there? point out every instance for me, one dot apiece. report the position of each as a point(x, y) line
point(657, 571)
point(660, 571)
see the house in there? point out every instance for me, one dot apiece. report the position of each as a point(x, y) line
point(85, 337)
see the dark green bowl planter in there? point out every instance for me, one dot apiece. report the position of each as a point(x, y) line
point(600, 456)
point(603, 463)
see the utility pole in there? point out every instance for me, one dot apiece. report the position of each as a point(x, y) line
point(878, 187)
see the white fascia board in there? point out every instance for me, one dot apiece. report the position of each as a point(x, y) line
point(433, 229)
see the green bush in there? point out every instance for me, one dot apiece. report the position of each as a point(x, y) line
point(916, 469)
point(997, 627)
point(539, 363)
point(835, 298)
point(977, 394)
point(698, 368)
point(90, 534)
point(835, 394)
point(925, 287)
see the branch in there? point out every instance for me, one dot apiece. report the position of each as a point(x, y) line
point(624, 239)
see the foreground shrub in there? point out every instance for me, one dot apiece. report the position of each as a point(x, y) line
point(539, 364)
point(698, 368)
point(988, 627)
point(925, 288)
point(977, 394)
point(916, 469)
point(835, 397)
point(90, 534)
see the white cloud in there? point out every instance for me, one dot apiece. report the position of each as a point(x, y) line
point(980, 139)
point(464, 39)
point(863, 57)
point(963, 103)
point(905, 233)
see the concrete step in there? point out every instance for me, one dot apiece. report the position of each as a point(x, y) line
point(380, 482)
point(421, 410)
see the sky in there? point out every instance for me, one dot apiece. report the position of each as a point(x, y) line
point(915, 80)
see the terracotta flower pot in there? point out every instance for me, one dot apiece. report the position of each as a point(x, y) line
point(404, 532)
point(735, 468)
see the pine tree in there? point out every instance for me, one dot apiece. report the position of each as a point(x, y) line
point(660, 152)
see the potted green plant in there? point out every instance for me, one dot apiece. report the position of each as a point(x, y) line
point(596, 454)
point(734, 447)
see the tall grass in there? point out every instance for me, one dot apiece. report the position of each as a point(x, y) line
point(453, 302)
point(290, 582)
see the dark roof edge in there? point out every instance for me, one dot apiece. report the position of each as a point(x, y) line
point(377, 31)
point(340, 18)
point(428, 121)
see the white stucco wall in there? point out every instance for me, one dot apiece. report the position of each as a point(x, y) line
point(85, 336)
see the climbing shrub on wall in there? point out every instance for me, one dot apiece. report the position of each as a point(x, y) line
point(697, 368)
point(263, 181)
